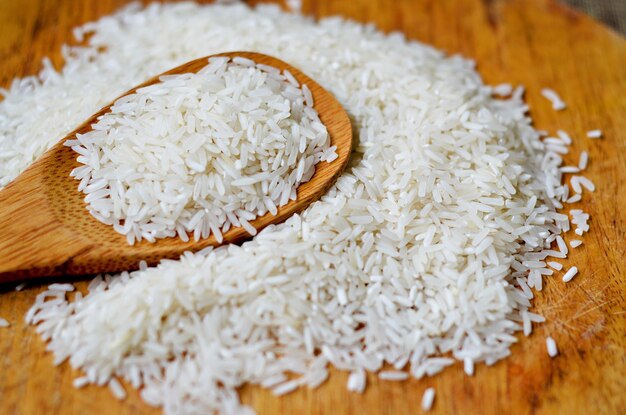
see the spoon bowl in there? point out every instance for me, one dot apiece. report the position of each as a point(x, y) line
point(48, 231)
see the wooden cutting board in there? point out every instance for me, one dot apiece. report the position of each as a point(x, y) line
point(534, 43)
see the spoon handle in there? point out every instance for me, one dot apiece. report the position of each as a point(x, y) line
point(32, 242)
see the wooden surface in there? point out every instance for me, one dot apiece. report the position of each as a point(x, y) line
point(536, 43)
point(48, 231)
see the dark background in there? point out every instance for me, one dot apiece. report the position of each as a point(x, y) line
point(610, 12)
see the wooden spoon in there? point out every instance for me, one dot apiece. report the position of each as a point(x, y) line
point(46, 229)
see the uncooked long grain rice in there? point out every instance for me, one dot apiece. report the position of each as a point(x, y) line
point(586, 183)
point(556, 265)
point(393, 375)
point(80, 382)
point(437, 161)
point(594, 134)
point(356, 381)
point(564, 136)
point(117, 389)
point(428, 398)
point(198, 153)
point(551, 347)
point(584, 159)
point(575, 198)
point(468, 366)
point(557, 103)
point(571, 273)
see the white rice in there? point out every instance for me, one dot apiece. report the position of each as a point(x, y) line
point(393, 375)
point(586, 183)
point(61, 287)
point(575, 198)
point(427, 399)
point(551, 346)
point(286, 387)
point(575, 243)
point(117, 389)
point(294, 5)
point(430, 244)
point(556, 265)
point(557, 103)
point(571, 273)
point(199, 153)
point(564, 136)
point(80, 382)
point(584, 159)
point(357, 381)
point(468, 366)
point(575, 183)
point(503, 90)
point(580, 218)
point(594, 134)
point(562, 245)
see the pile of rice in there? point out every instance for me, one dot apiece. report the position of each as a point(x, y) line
point(201, 152)
point(422, 255)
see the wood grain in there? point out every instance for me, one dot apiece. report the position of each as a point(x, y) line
point(535, 43)
point(47, 230)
